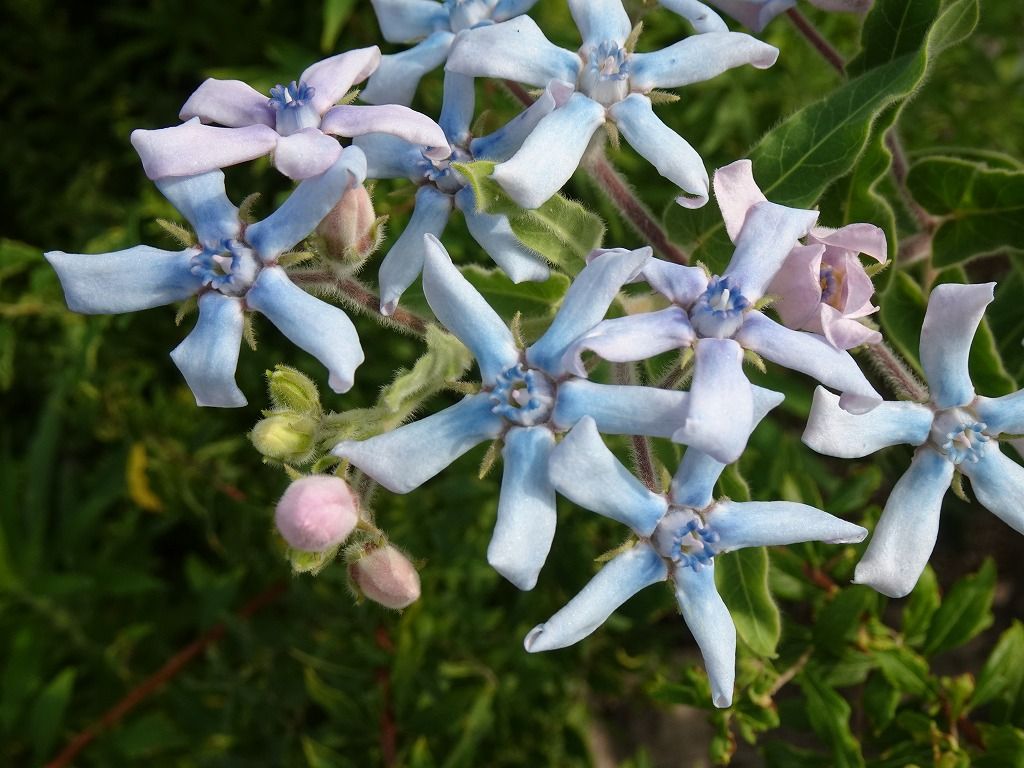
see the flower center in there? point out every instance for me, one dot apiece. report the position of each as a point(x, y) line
point(230, 269)
point(959, 435)
point(523, 396)
point(443, 176)
point(605, 73)
point(682, 537)
point(294, 108)
point(718, 312)
point(831, 281)
point(466, 14)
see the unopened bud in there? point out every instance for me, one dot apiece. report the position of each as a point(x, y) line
point(285, 437)
point(316, 513)
point(386, 576)
point(351, 229)
point(292, 389)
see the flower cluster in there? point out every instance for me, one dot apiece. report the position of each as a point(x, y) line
point(541, 401)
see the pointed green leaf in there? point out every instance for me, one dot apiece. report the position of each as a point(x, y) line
point(966, 611)
point(919, 609)
point(47, 716)
point(1001, 682)
point(981, 207)
point(829, 715)
point(742, 580)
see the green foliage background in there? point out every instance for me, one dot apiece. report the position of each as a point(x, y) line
point(131, 523)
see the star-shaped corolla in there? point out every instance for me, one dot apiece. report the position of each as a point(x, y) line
point(679, 537)
point(822, 286)
point(757, 13)
point(715, 316)
point(296, 123)
point(443, 188)
point(611, 83)
point(526, 398)
point(956, 430)
point(232, 268)
point(432, 26)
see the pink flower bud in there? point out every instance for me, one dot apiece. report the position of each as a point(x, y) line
point(351, 229)
point(316, 513)
point(387, 577)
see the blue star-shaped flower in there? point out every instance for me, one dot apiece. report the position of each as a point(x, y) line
point(680, 535)
point(955, 430)
point(232, 268)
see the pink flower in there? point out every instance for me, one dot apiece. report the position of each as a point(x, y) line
point(822, 286)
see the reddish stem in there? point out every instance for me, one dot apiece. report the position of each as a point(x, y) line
point(615, 187)
point(167, 672)
point(815, 38)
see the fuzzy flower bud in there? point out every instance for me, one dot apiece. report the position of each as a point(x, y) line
point(387, 577)
point(351, 229)
point(292, 390)
point(316, 513)
point(285, 437)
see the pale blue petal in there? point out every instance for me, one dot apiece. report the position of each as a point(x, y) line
point(680, 285)
point(495, 235)
point(665, 149)
point(585, 303)
point(399, 74)
point(457, 107)
point(507, 140)
point(631, 338)
point(551, 154)
point(708, 619)
point(462, 310)
point(834, 432)
point(702, 18)
point(753, 13)
point(506, 9)
point(389, 157)
point(1002, 414)
point(698, 58)
point(404, 262)
point(204, 204)
point(905, 535)
point(620, 579)
point(404, 21)
point(526, 507)
point(513, 50)
point(768, 235)
point(191, 148)
point(811, 354)
point(306, 207)
point(694, 482)
point(954, 312)
point(588, 474)
point(321, 329)
point(768, 523)
point(620, 409)
point(720, 412)
point(998, 483)
point(405, 458)
point(209, 354)
point(124, 281)
point(600, 20)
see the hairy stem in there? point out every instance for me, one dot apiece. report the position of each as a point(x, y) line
point(643, 458)
point(615, 187)
point(358, 296)
point(896, 372)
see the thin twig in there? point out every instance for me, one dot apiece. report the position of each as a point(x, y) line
point(900, 168)
point(167, 672)
point(790, 673)
point(388, 727)
point(817, 40)
point(609, 181)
